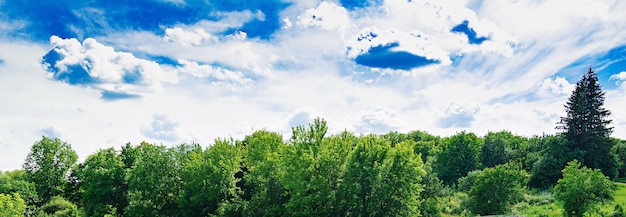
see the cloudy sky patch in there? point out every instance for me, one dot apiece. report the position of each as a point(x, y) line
point(170, 71)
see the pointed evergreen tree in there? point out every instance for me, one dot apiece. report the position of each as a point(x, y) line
point(586, 125)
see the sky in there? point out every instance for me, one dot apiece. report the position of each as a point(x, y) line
point(104, 73)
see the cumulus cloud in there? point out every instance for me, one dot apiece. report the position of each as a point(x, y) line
point(327, 15)
point(458, 116)
point(378, 120)
point(558, 86)
point(395, 49)
point(302, 117)
point(420, 33)
point(92, 64)
point(216, 74)
point(163, 127)
point(187, 38)
point(619, 77)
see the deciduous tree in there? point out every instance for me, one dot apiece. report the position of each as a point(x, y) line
point(47, 165)
point(581, 188)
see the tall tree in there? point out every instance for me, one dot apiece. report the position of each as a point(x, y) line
point(380, 180)
point(103, 183)
point(586, 125)
point(47, 166)
point(153, 183)
point(208, 178)
point(458, 156)
point(261, 158)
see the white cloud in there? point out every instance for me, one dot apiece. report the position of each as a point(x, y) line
point(327, 15)
point(413, 42)
point(218, 74)
point(558, 86)
point(107, 69)
point(620, 78)
point(459, 116)
point(378, 120)
point(188, 38)
point(163, 127)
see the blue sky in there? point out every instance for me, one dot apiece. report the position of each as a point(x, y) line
point(103, 73)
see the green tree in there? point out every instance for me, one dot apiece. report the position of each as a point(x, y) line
point(459, 155)
point(619, 150)
point(208, 178)
point(380, 180)
point(58, 206)
point(433, 191)
point(153, 182)
point(16, 182)
point(12, 205)
point(497, 188)
point(582, 188)
point(103, 183)
point(554, 156)
point(313, 167)
point(499, 148)
point(47, 165)
point(586, 125)
point(261, 154)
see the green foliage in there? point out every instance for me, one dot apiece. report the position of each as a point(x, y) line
point(433, 192)
point(586, 125)
point(465, 183)
point(12, 205)
point(619, 150)
point(380, 180)
point(496, 189)
point(208, 179)
point(458, 156)
point(501, 147)
point(16, 182)
point(47, 165)
point(554, 156)
point(313, 167)
point(261, 158)
point(59, 207)
point(582, 188)
point(103, 183)
point(153, 182)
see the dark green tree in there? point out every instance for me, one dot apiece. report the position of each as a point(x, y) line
point(619, 150)
point(104, 183)
point(582, 188)
point(459, 155)
point(554, 156)
point(500, 147)
point(586, 126)
point(48, 164)
point(497, 188)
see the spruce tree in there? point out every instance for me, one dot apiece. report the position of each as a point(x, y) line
point(586, 126)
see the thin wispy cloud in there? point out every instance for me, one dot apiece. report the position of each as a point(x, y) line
point(170, 71)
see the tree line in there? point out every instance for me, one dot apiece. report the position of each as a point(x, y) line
point(316, 174)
